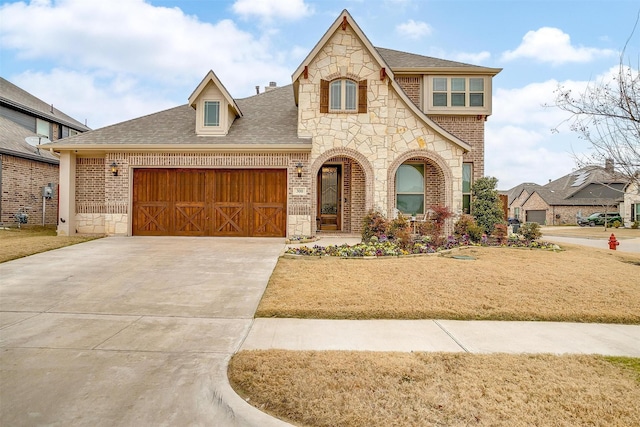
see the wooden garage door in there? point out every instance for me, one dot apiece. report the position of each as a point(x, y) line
point(205, 202)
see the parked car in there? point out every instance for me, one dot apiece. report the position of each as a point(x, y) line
point(598, 218)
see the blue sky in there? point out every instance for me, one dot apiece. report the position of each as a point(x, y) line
point(110, 61)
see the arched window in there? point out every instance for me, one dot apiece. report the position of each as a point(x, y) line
point(410, 188)
point(342, 95)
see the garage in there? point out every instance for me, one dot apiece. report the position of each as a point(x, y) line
point(209, 202)
point(539, 216)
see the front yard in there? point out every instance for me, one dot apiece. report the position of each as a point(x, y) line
point(20, 242)
point(575, 285)
point(342, 388)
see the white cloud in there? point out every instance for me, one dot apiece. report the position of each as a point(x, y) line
point(413, 29)
point(270, 9)
point(554, 46)
point(111, 45)
point(515, 155)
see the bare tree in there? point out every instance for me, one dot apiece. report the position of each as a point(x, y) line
point(607, 115)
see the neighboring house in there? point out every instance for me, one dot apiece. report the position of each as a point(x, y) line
point(560, 202)
point(24, 169)
point(360, 128)
point(630, 209)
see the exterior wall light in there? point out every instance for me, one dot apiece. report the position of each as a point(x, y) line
point(114, 169)
point(299, 169)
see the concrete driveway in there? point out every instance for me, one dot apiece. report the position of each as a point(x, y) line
point(130, 331)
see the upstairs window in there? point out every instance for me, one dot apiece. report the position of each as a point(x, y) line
point(212, 113)
point(458, 92)
point(343, 95)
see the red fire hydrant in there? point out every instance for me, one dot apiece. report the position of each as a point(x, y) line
point(613, 242)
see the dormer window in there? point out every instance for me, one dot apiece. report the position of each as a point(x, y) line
point(343, 96)
point(212, 113)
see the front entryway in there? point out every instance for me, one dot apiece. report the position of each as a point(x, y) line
point(209, 202)
point(329, 198)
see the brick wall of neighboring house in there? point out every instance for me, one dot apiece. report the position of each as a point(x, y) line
point(22, 182)
point(470, 129)
point(568, 215)
point(536, 203)
point(517, 203)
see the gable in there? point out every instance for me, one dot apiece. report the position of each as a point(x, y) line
point(216, 109)
point(344, 52)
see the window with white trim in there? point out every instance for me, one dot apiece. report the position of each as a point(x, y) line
point(212, 113)
point(410, 188)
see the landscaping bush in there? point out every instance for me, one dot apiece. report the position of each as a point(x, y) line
point(466, 226)
point(486, 205)
point(635, 225)
point(530, 230)
point(500, 233)
point(374, 224)
point(616, 224)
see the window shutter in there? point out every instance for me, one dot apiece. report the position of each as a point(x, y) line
point(324, 96)
point(362, 96)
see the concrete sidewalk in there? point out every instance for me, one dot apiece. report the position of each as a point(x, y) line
point(444, 336)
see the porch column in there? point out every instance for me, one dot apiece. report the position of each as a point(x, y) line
point(67, 194)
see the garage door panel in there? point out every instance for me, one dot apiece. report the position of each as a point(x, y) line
point(229, 219)
point(209, 202)
point(268, 219)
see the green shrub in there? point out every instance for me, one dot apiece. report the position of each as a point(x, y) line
point(475, 233)
point(530, 230)
point(616, 224)
point(635, 225)
point(486, 205)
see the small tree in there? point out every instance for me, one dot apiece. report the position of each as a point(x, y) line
point(486, 207)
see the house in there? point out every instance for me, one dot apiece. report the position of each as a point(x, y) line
point(27, 172)
point(359, 128)
point(578, 194)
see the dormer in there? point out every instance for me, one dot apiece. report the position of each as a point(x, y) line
point(215, 108)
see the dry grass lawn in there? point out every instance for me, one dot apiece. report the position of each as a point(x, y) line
point(578, 285)
point(17, 243)
point(436, 389)
point(591, 232)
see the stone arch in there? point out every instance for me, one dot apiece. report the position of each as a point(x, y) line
point(342, 152)
point(428, 156)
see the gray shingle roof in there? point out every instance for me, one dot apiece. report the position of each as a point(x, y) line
point(399, 59)
point(268, 118)
point(20, 99)
point(12, 142)
point(589, 186)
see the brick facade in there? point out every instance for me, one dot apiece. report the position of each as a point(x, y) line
point(470, 129)
point(22, 182)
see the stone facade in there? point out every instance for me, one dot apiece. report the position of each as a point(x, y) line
point(21, 182)
point(381, 139)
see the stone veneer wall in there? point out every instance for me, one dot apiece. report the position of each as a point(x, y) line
point(22, 181)
point(103, 200)
point(375, 140)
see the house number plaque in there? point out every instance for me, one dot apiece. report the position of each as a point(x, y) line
point(299, 191)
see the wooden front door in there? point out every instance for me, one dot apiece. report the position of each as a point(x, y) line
point(330, 197)
point(209, 202)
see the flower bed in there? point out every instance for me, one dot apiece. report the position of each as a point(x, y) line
point(389, 248)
